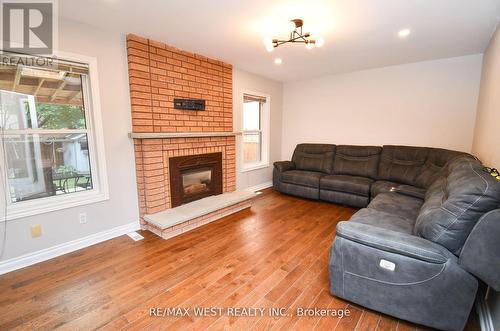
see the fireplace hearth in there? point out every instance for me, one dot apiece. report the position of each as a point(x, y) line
point(195, 177)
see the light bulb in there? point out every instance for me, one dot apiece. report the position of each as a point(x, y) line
point(404, 33)
point(309, 45)
point(320, 42)
point(268, 42)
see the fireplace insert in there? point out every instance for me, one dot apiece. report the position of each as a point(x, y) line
point(194, 177)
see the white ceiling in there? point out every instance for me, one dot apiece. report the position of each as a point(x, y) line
point(359, 34)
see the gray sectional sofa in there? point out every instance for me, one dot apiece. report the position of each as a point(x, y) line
point(429, 232)
point(353, 175)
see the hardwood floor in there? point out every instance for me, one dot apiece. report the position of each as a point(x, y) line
point(274, 255)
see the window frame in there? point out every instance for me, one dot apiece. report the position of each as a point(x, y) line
point(95, 142)
point(265, 118)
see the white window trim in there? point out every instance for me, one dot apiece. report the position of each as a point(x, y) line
point(100, 191)
point(266, 125)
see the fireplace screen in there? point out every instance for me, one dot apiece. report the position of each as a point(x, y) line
point(197, 182)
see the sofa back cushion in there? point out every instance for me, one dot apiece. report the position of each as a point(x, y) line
point(456, 200)
point(402, 164)
point(314, 157)
point(357, 160)
point(437, 158)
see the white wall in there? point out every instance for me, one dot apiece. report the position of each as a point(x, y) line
point(63, 226)
point(242, 81)
point(487, 133)
point(429, 103)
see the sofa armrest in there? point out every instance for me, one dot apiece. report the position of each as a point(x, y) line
point(283, 166)
point(394, 242)
point(480, 254)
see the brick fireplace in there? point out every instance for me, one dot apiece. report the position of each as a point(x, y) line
point(158, 73)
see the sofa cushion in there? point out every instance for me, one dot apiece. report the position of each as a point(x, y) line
point(402, 164)
point(357, 160)
point(314, 157)
point(383, 220)
point(397, 204)
point(343, 198)
point(436, 160)
point(456, 201)
point(382, 186)
point(349, 184)
point(411, 191)
point(300, 190)
point(301, 177)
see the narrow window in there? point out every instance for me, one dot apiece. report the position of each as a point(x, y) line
point(255, 135)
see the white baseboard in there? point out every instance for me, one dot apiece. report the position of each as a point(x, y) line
point(485, 320)
point(260, 186)
point(71, 246)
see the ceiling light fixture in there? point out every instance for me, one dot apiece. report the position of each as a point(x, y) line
point(404, 33)
point(278, 61)
point(296, 36)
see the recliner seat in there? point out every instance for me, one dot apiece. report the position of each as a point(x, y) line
point(348, 190)
point(302, 175)
point(354, 170)
point(414, 168)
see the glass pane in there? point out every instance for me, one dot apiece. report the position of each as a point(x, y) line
point(196, 182)
point(32, 98)
point(251, 116)
point(252, 147)
point(45, 165)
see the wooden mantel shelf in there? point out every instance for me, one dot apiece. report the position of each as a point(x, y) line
point(162, 135)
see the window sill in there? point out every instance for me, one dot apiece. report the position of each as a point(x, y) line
point(255, 166)
point(51, 204)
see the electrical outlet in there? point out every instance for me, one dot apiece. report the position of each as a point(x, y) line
point(36, 230)
point(82, 218)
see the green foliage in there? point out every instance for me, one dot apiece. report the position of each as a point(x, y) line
point(53, 116)
point(65, 169)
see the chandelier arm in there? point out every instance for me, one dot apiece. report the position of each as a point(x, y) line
point(296, 36)
point(296, 40)
point(280, 42)
point(303, 38)
point(299, 39)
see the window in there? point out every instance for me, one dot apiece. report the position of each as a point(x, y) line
point(50, 153)
point(255, 131)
